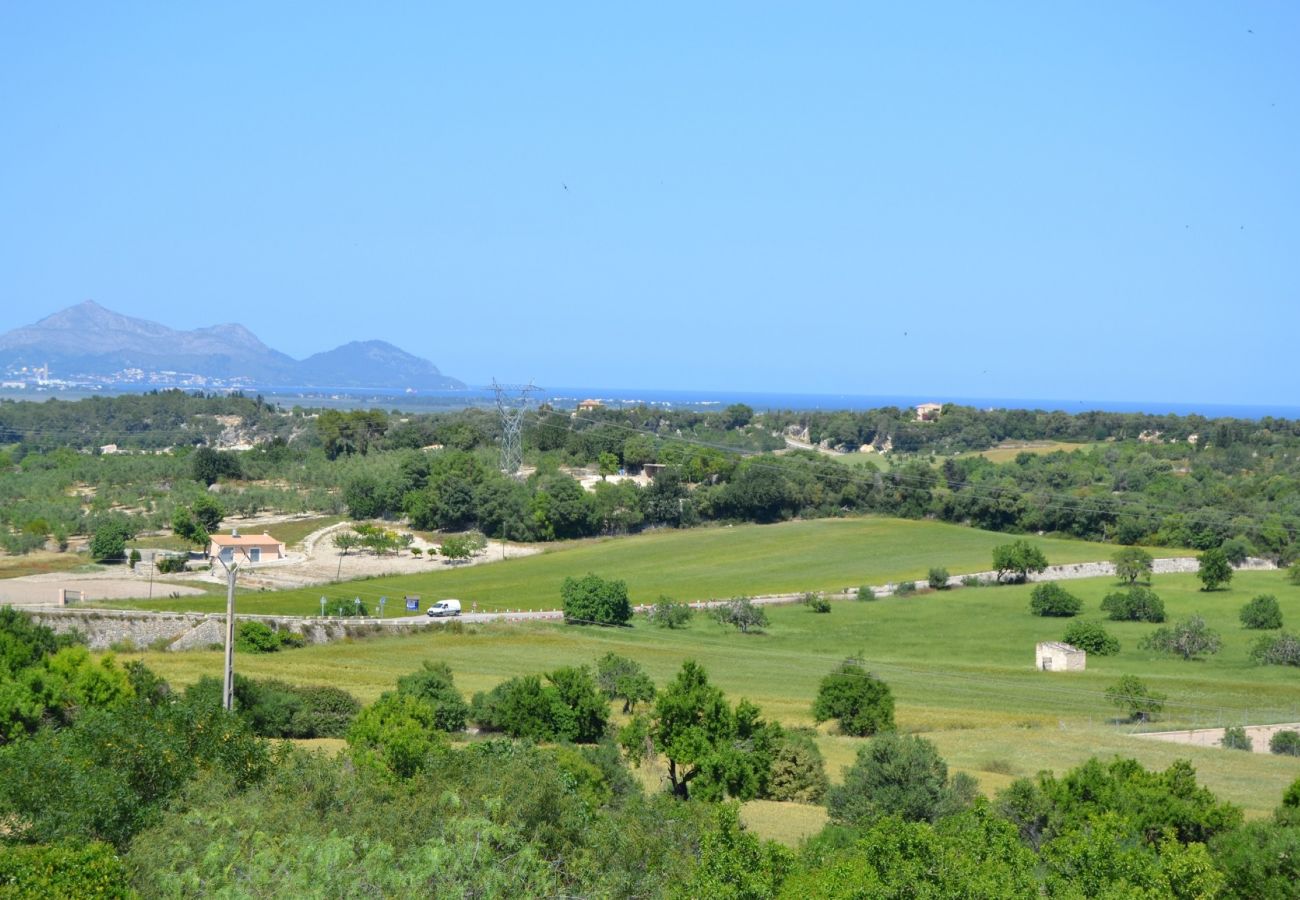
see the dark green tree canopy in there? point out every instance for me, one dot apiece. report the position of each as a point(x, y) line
point(861, 702)
point(592, 600)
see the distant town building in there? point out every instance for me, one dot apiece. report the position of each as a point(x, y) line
point(109, 449)
point(589, 405)
point(928, 412)
point(1053, 656)
point(240, 548)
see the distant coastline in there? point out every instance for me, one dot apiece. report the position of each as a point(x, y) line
point(569, 397)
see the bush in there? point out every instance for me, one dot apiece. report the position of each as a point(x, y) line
point(1091, 636)
point(668, 613)
point(938, 578)
point(1236, 550)
point(133, 558)
point(861, 702)
point(1050, 599)
point(742, 613)
point(1139, 702)
point(1188, 638)
point(1262, 612)
point(325, 712)
point(568, 707)
point(433, 683)
point(1282, 649)
point(866, 593)
point(345, 608)
point(905, 589)
point(258, 637)
point(108, 543)
point(1285, 743)
point(1235, 738)
point(897, 775)
point(816, 602)
point(170, 564)
point(592, 600)
point(1137, 604)
point(1293, 573)
point(798, 770)
point(63, 870)
point(971, 581)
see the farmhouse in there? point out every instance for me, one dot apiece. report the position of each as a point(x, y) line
point(928, 412)
point(251, 548)
point(1053, 656)
point(589, 405)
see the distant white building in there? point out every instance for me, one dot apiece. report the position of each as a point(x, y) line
point(1053, 656)
point(928, 412)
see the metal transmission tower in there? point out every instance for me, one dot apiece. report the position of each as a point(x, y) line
point(512, 403)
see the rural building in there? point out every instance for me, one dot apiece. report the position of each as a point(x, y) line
point(1053, 656)
point(241, 548)
point(928, 412)
point(589, 405)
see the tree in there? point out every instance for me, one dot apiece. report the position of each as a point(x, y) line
point(1092, 637)
point(592, 600)
point(1136, 604)
point(208, 465)
point(711, 749)
point(798, 770)
point(188, 528)
point(897, 775)
point(1050, 599)
point(1132, 695)
point(737, 415)
point(861, 702)
point(1262, 612)
point(1236, 550)
point(108, 543)
point(346, 541)
point(208, 513)
point(668, 613)
point(639, 449)
point(1188, 638)
point(620, 678)
point(398, 733)
point(455, 547)
point(433, 683)
point(1214, 570)
point(1132, 564)
point(1015, 561)
point(608, 464)
point(742, 613)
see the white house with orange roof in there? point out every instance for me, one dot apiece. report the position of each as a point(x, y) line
point(245, 548)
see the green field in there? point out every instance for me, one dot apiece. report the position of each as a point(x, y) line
point(960, 663)
point(692, 564)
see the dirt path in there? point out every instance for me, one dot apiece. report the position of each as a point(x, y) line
point(1259, 735)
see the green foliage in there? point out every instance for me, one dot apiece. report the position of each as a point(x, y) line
point(1092, 637)
point(207, 512)
point(433, 683)
point(865, 592)
point(108, 543)
point(712, 750)
point(742, 613)
point(1281, 649)
point(252, 636)
point(208, 465)
point(1050, 599)
point(620, 678)
point(169, 564)
point(397, 734)
point(344, 607)
point(1260, 861)
point(133, 557)
point(798, 770)
point(861, 702)
point(567, 707)
point(1293, 573)
point(23, 642)
point(1135, 699)
point(186, 527)
point(1262, 612)
point(668, 613)
point(938, 578)
point(905, 589)
point(1015, 561)
point(1188, 638)
point(733, 864)
point(1214, 569)
point(1137, 604)
point(63, 870)
point(274, 709)
point(1285, 743)
point(1132, 564)
point(1235, 738)
point(456, 547)
point(592, 600)
point(897, 775)
point(816, 602)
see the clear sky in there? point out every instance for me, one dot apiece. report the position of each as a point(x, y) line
point(976, 199)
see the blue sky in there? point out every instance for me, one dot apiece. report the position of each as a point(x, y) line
point(1001, 200)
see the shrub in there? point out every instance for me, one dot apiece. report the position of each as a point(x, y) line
point(170, 564)
point(396, 734)
point(568, 707)
point(816, 602)
point(1188, 638)
point(866, 593)
point(668, 613)
point(1137, 604)
point(1236, 550)
point(938, 579)
point(897, 775)
point(133, 558)
point(1235, 738)
point(1262, 612)
point(108, 543)
point(1293, 573)
point(63, 870)
point(433, 683)
point(326, 712)
point(742, 613)
point(1091, 636)
point(861, 702)
point(798, 770)
point(971, 581)
point(1138, 701)
point(1050, 599)
point(1285, 743)
point(1282, 649)
point(905, 589)
point(258, 637)
point(592, 600)
point(345, 608)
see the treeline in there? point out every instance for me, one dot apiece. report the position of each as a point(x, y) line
point(112, 784)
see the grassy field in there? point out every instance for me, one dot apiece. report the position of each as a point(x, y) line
point(960, 664)
point(1007, 451)
point(42, 561)
point(694, 564)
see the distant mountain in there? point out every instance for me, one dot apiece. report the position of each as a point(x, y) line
point(89, 341)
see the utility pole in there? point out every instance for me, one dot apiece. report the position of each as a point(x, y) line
point(228, 691)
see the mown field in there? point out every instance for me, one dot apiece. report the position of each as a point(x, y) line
point(960, 663)
point(693, 564)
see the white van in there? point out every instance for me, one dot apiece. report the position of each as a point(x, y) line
point(444, 608)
